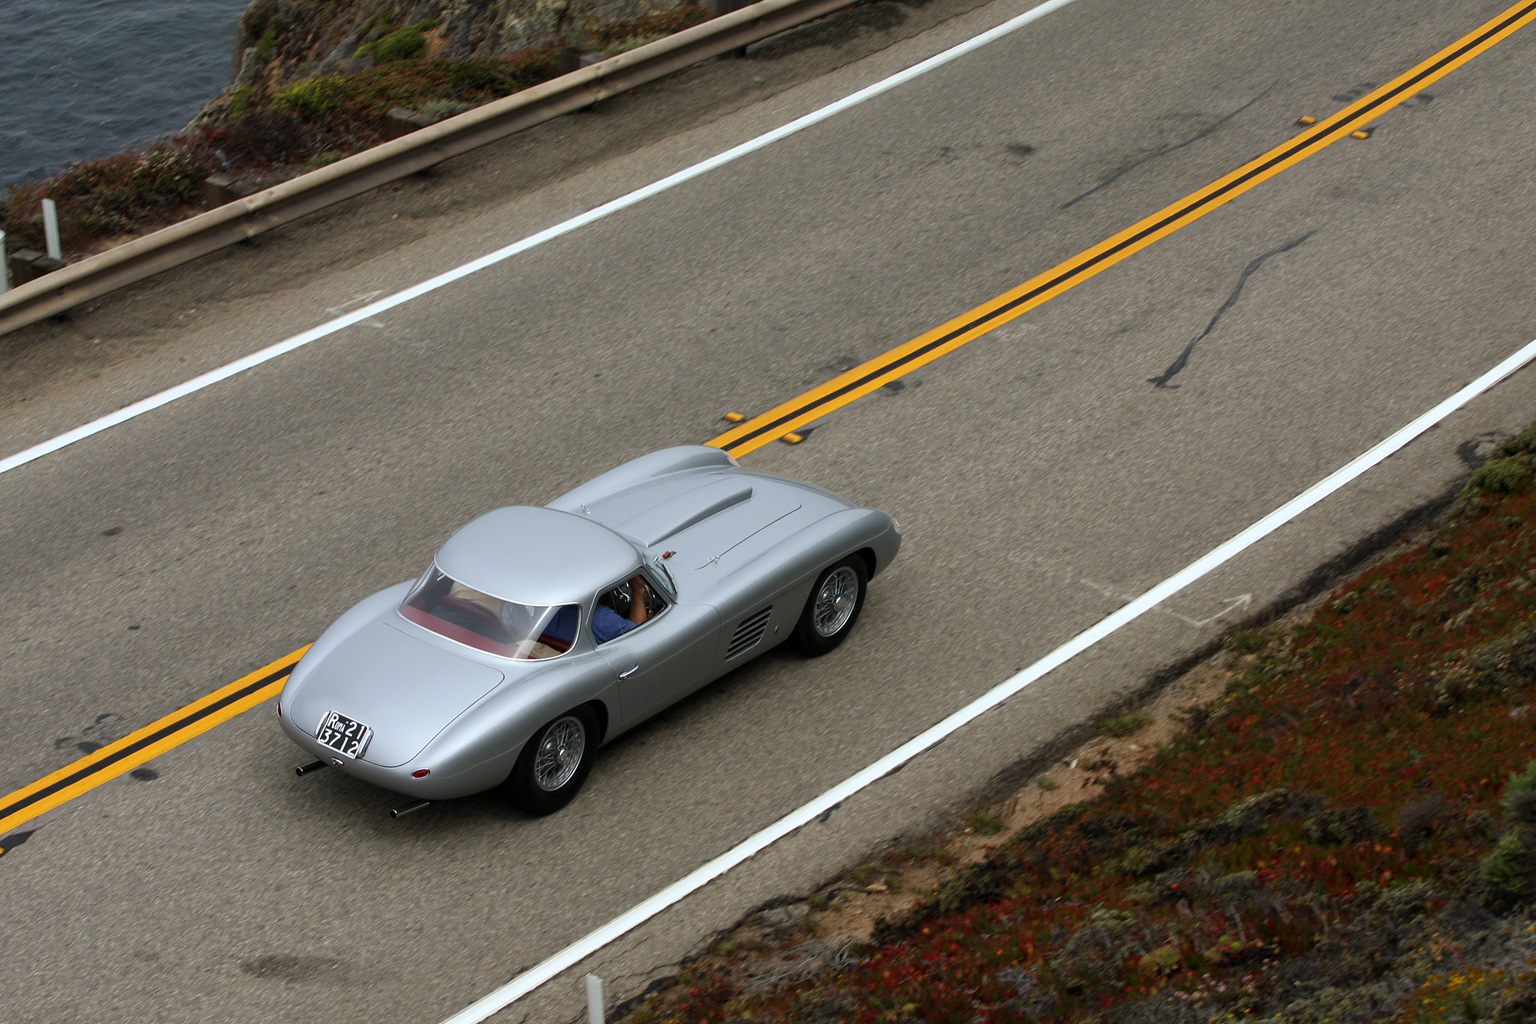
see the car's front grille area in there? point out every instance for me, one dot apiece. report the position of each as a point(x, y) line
point(749, 633)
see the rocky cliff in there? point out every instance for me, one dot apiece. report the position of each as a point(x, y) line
point(281, 41)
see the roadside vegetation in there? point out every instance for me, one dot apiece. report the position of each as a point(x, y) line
point(259, 136)
point(1346, 834)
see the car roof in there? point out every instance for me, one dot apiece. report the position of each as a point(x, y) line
point(537, 555)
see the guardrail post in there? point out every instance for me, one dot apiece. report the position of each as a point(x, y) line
point(51, 230)
point(401, 121)
point(219, 189)
point(21, 265)
point(5, 267)
point(594, 999)
point(573, 58)
point(29, 265)
point(726, 7)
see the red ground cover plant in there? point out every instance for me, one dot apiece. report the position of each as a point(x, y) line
point(1316, 847)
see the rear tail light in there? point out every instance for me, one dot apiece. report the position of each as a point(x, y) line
point(421, 773)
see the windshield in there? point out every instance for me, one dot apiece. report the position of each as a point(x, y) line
point(526, 631)
point(662, 575)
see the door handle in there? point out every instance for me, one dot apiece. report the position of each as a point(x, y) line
point(626, 675)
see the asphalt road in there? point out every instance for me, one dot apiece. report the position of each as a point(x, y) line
point(1040, 475)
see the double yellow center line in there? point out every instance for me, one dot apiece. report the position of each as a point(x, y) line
point(244, 694)
point(149, 742)
point(990, 315)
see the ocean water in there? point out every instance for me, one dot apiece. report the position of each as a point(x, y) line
point(81, 79)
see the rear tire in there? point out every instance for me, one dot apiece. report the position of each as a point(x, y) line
point(556, 761)
point(833, 607)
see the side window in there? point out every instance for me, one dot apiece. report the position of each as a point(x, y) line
point(624, 606)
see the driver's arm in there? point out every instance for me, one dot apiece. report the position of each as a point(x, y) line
point(639, 600)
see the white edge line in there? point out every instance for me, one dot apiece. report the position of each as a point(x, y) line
point(573, 954)
point(507, 252)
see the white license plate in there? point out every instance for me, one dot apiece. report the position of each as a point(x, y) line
point(343, 735)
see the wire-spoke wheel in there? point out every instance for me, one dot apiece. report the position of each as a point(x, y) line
point(554, 763)
point(559, 755)
point(833, 607)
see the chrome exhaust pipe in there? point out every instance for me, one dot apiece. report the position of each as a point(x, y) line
point(305, 769)
point(400, 812)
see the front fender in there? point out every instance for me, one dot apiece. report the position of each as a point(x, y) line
point(794, 566)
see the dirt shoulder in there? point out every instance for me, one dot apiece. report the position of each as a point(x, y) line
point(1358, 876)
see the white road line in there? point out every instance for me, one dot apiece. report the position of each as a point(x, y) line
point(575, 953)
point(639, 195)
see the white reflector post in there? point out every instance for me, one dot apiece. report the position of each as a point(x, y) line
point(51, 229)
point(594, 999)
point(5, 267)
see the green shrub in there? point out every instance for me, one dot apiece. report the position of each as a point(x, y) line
point(268, 44)
point(241, 100)
point(314, 98)
point(1503, 872)
point(988, 823)
point(1508, 873)
point(1523, 443)
point(1245, 641)
point(865, 873)
point(1345, 602)
point(1520, 797)
point(1503, 666)
point(1342, 825)
point(401, 44)
point(1508, 471)
point(1121, 726)
point(974, 883)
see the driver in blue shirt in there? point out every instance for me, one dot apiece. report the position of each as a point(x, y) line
point(607, 623)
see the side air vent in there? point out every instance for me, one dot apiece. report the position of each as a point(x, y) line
point(749, 633)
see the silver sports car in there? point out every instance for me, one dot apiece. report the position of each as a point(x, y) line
point(538, 634)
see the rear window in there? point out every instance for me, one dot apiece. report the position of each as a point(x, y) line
point(528, 632)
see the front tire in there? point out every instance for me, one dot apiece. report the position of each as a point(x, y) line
point(833, 607)
point(556, 761)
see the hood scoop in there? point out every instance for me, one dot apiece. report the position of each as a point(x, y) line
point(673, 516)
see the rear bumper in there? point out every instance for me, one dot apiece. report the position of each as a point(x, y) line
point(434, 787)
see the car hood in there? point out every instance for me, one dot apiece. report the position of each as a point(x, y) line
point(404, 688)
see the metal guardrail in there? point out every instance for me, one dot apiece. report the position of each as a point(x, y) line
point(245, 218)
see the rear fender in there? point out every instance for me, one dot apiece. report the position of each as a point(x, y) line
point(483, 743)
point(353, 619)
